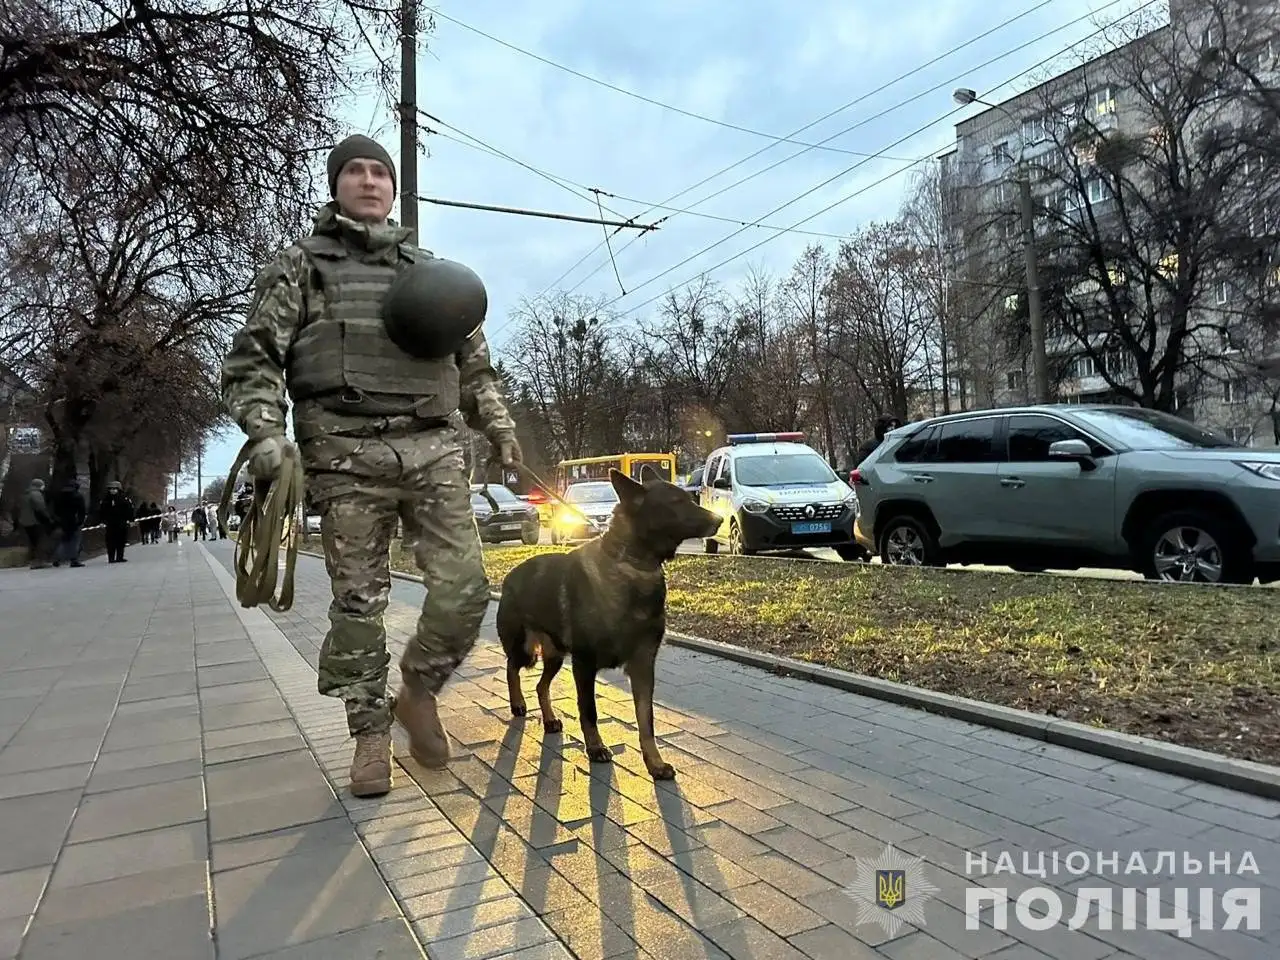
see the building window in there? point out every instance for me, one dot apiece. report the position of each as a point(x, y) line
point(1240, 435)
point(1235, 390)
point(1017, 380)
point(1104, 101)
point(1000, 152)
point(1085, 367)
point(1034, 131)
point(1221, 293)
point(1097, 190)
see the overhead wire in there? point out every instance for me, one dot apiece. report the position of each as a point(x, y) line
point(482, 147)
point(650, 100)
point(792, 228)
point(831, 113)
point(843, 173)
point(877, 116)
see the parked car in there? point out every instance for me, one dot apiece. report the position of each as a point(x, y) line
point(589, 510)
point(1068, 486)
point(502, 516)
point(691, 483)
point(776, 493)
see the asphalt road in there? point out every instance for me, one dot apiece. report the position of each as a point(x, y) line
point(821, 553)
point(695, 546)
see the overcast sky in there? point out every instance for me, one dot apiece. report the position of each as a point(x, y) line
point(769, 67)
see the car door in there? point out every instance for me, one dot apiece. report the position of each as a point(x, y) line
point(958, 475)
point(713, 499)
point(1055, 502)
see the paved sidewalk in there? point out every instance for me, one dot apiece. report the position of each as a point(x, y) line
point(171, 786)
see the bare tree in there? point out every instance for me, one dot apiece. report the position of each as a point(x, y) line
point(876, 294)
point(227, 97)
point(1159, 196)
point(562, 360)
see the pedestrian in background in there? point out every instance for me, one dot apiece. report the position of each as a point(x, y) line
point(116, 512)
point(70, 511)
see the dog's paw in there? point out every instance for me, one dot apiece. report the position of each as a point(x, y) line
point(519, 710)
point(664, 772)
point(554, 725)
point(600, 754)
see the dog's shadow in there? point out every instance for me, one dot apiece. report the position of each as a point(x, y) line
point(637, 847)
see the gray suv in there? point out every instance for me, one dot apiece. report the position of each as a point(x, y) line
point(1067, 486)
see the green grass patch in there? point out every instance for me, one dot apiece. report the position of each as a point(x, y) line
point(1193, 665)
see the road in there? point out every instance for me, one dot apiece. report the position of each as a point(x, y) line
point(822, 553)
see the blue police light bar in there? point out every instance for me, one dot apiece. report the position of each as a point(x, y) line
point(737, 438)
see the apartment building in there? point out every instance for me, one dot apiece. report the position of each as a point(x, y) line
point(1057, 135)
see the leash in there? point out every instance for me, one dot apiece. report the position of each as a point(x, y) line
point(269, 523)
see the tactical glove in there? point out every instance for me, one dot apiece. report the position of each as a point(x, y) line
point(509, 452)
point(263, 422)
point(266, 457)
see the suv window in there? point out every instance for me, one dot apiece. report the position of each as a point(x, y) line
point(967, 441)
point(1145, 429)
point(916, 446)
point(1030, 436)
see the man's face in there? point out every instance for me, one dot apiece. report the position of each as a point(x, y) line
point(365, 190)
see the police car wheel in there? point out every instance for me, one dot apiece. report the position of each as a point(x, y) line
point(736, 546)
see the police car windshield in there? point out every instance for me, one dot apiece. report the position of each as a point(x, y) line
point(591, 493)
point(781, 469)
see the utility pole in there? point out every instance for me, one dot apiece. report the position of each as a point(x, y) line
point(409, 116)
point(1035, 317)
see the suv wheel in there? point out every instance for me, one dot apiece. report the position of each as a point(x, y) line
point(1194, 546)
point(736, 546)
point(906, 542)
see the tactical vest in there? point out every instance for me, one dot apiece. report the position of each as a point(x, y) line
point(342, 356)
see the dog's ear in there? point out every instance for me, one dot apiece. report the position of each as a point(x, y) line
point(649, 476)
point(628, 490)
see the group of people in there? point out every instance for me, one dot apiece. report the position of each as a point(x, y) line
point(55, 523)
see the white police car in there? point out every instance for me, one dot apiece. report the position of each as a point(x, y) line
point(775, 493)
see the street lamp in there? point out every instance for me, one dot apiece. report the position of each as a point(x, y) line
point(1035, 317)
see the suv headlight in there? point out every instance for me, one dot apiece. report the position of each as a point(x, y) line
point(1264, 469)
point(755, 506)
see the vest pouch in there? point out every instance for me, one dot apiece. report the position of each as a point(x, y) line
point(343, 356)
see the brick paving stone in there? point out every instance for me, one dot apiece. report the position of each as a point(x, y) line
point(789, 785)
point(172, 784)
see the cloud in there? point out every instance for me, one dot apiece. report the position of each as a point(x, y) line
point(768, 67)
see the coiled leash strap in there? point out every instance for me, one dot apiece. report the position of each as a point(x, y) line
point(269, 523)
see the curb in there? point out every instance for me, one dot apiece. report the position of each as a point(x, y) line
point(1244, 776)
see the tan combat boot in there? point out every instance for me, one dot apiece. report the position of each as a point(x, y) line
point(371, 767)
point(418, 714)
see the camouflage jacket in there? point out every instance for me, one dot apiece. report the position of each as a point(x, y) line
point(253, 373)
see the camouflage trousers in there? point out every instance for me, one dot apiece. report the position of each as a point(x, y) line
point(362, 487)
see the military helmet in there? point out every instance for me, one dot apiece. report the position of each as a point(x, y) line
point(433, 306)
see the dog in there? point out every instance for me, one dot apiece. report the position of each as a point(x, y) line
point(602, 604)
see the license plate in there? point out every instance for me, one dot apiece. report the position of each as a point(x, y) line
point(811, 526)
point(510, 526)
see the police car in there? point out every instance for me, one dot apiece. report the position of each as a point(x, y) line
point(775, 493)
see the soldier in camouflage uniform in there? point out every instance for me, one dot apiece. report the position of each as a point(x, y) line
point(380, 437)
